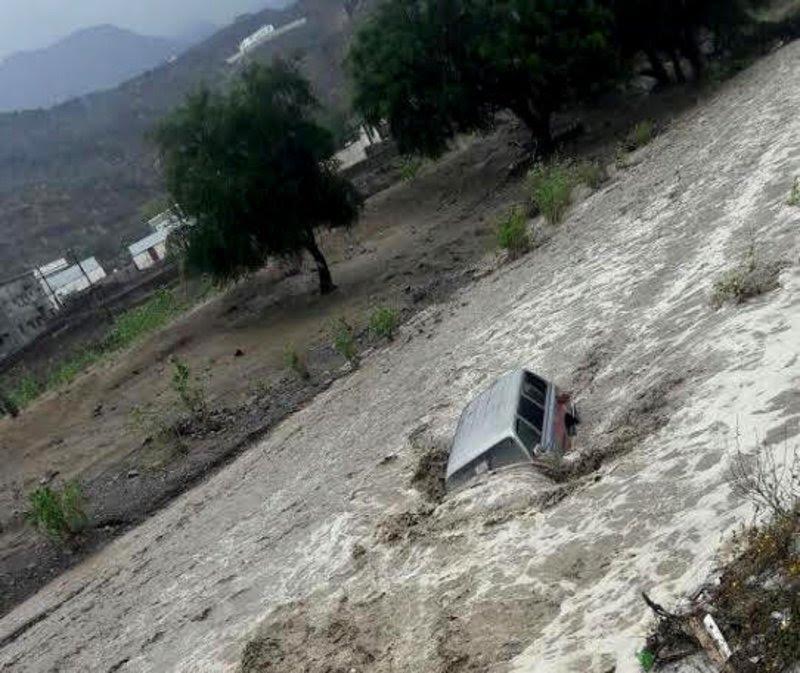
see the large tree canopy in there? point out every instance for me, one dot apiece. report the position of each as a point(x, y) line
point(435, 68)
point(255, 170)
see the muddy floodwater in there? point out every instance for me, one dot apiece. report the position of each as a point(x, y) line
point(321, 547)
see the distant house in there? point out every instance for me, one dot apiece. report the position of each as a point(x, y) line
point(28, 302)
point(167, 220)
point(263, 34)
point(59, 280)
point(358, 150)
point(150, 250)
point(24, 311)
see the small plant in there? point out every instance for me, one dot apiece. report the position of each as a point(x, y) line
point(296, 362)
point(591, 173)
point(769, 478)
point(640, 135)
point(411, 167)
point(58, 514)
point(646, 659)
point(550, 188)
point(512, 233)
point(794, 196)
point(344, 341)
point(752, 277)
point(191, 395)
point(383, 323)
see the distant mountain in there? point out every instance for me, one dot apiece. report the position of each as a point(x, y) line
point(77, 175)
point(89, 60)
point(196, 32)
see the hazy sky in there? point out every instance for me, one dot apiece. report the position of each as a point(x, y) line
point(30, 24)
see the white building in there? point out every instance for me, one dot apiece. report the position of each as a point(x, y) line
point(59, 280)
point(150, 250)
point(263, 34)
point(259, 36)
point(356, 151)
point(166, 221)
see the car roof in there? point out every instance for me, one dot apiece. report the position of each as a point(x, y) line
point(485, 421)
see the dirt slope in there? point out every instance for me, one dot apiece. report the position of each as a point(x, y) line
point(319, 535)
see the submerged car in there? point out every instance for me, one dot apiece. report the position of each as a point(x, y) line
point(520, 418)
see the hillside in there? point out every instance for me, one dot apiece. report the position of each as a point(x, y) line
point(77, 174)
point(88, 60)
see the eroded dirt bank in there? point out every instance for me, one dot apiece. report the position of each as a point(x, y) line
point(322, 535)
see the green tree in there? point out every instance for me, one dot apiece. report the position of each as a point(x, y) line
point(255, 170)
point(436, 68)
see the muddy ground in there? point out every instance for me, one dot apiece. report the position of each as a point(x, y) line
point(323, 547)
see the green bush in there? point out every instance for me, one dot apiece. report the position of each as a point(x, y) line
point(26, 390)
point(344, 341)
point(296, 362)
point(383, 323)
point(550, 186)
point(640, 135)
point(512, 233)
point(58, 514)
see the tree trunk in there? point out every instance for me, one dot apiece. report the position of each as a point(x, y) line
point(676, 63)
point(539, 125)
point(693, 53)
point(326, 285)
point(657, 67)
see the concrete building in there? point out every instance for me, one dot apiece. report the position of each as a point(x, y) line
point(59, 280)
point(357, 151)
point(150, 250)
point(25, 309)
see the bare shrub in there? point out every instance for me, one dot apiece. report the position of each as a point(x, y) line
point(769, 477)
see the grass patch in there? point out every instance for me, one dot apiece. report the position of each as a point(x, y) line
point(794, 195)
point(344, 340)
point(137, 322)
point(383, 323)
point(410, 167)
point(127, 329)
point(512, 233)
point(59, 514)
point(550, 186)
point(752, 277)
point(591, 173)
point(296, 361)
point(640, 135)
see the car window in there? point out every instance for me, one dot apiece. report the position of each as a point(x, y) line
point(529, 436)
point(531, 412)
point(534, 388)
